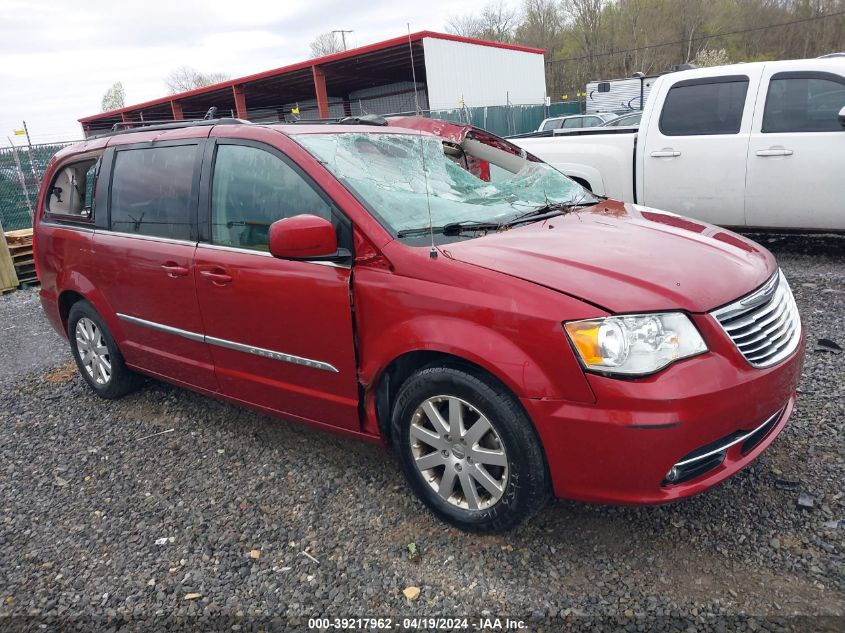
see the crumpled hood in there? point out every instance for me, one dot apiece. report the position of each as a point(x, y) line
point(626, 258)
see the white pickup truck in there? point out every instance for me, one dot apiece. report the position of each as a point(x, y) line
point(748, 145)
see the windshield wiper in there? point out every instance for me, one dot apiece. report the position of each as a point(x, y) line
point(452, 228)
point(547, 211)
point(465, 226)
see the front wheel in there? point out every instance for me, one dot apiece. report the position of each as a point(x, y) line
point(468, 450)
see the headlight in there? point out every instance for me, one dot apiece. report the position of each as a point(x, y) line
point(634, 343)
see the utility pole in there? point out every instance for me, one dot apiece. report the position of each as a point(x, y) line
point(32, 167)
point(21, 178)
point(343, 35)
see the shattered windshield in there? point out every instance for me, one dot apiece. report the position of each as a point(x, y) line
point(388, 172)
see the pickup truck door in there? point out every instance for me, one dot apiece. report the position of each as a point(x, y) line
point(797, 152)
point(694, 153)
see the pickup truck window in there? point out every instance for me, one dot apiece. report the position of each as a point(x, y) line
point(808, 103)
point(697, 107)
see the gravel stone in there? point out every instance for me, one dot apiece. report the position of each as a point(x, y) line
point(85, 500)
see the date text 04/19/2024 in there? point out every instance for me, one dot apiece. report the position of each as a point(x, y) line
point(417, 623)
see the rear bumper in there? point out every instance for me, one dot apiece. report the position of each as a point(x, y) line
point(620, 449)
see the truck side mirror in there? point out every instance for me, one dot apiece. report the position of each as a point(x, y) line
point(842, 117)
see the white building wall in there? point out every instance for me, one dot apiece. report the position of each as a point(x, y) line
point(481, 75)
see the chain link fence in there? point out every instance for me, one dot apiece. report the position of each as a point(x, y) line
point(506, 120)
point(21, 169)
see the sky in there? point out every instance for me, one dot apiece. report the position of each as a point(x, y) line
point(58, 58)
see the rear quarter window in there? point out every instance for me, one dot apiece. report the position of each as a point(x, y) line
point(71, 193)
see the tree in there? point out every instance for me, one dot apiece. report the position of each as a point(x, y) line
point(187, 78)
point(326, 44)
point(496, 22)
point(586, 40)
point(711, 57)
point(541, 24)
point(114, 98)
point(465, 25)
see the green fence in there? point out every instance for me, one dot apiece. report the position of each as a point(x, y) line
point(20, 173)
point(507, 120)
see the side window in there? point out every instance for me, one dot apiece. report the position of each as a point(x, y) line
point(575, 121)
point(72, 190)
point(251, 189)
point(803, 104)
point(592, 121)
point(695, 109)
point(151, 191)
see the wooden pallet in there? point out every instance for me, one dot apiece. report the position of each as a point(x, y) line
point(16, 248)
point(8, 277)
point(21, 235)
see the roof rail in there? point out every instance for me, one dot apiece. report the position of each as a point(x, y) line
point(151, 126)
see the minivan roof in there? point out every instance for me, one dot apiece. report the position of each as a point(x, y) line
point(142, 135)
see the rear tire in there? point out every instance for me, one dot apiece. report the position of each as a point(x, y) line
point(469, 450)
point(96, 354)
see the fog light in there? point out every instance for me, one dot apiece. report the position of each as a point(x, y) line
point(672, 475)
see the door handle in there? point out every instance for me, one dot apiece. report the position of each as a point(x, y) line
point(665, 153)
point(174, 270)
point(774, 151)
point(218, 277)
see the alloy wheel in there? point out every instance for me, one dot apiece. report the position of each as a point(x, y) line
point(458, 452)
point(93, 351)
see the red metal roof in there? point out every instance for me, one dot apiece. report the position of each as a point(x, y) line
point(317, 61)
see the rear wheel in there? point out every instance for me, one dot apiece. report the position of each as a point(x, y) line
point(96, 354)
point(468, 450)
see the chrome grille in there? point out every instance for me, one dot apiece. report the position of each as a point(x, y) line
point(765, 325)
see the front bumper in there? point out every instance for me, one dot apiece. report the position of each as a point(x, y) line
point(620, 449)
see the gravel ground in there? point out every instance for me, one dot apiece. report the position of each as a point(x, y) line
point(105, 524)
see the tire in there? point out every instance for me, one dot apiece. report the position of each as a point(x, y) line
point(508, 455)
point(105, 372)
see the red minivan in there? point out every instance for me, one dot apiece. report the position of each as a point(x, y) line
point(427, 285)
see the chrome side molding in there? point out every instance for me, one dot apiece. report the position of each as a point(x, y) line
point(239, 347)
point(268, 353)
point(193, 336)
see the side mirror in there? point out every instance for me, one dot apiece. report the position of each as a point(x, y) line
point(304, 237)
point(842, 117)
